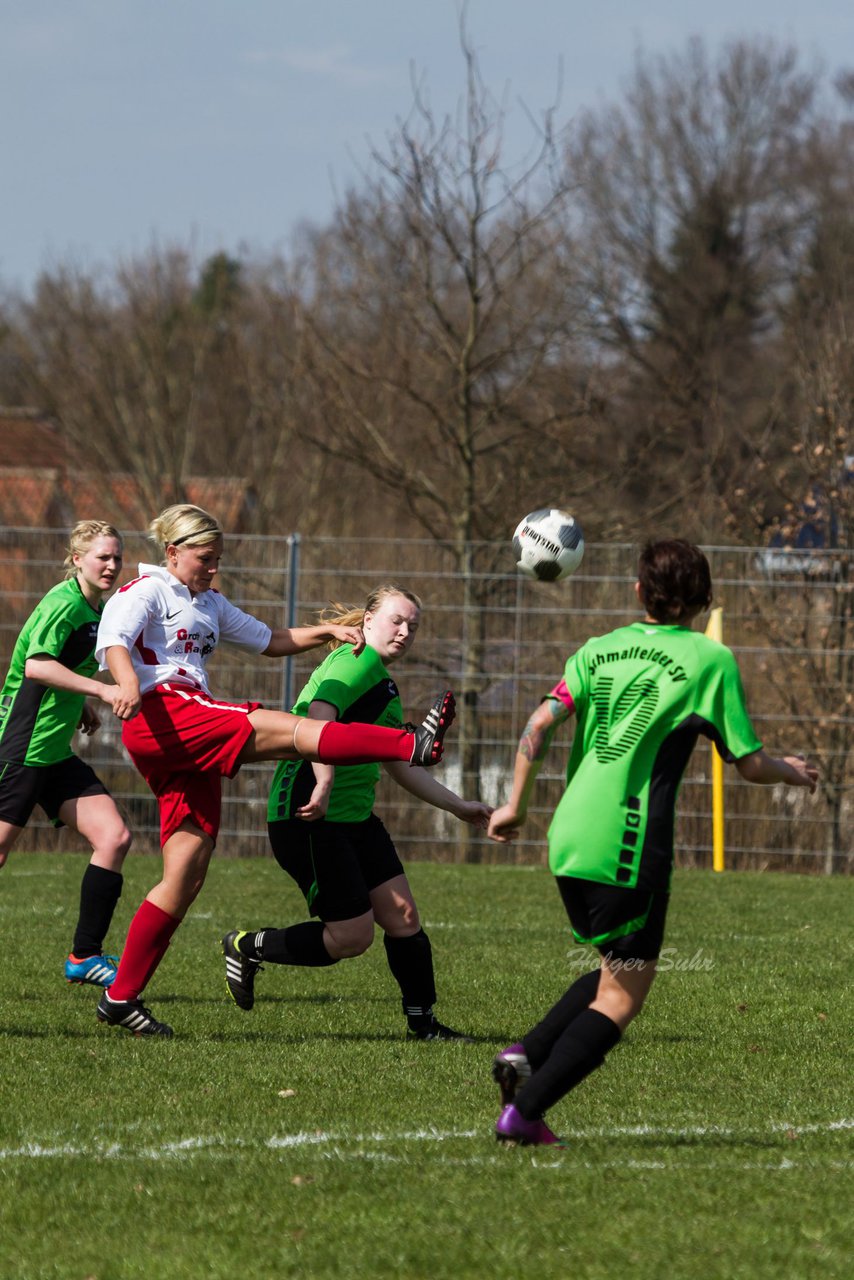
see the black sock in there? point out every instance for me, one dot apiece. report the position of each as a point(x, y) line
point(100, 890)
point(411, 963)
point(540, 1040)
point(580, 1050)
point(300, 944)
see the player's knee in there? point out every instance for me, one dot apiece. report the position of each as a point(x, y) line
point(116, 844)
point(6, 843)
point(409, 920)
point(352, 942)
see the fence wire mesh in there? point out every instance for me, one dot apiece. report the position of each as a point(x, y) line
point(502, 642)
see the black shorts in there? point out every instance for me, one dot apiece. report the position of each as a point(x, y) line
point(336, 864)
point(625, 923)
point(23, 786)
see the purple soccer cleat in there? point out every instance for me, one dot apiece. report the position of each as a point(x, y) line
point(510, 1070)
point(515, 1130)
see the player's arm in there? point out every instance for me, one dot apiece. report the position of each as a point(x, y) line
point(324, 774)
point(126, 700)
point(289, 640)
point(794, 771)
point(55, 675)
point(533, 746)
point(124, 619)
point(418, 782)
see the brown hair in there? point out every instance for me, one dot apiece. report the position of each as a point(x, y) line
point(81, 538)
point(344, 615)
point(675, 580)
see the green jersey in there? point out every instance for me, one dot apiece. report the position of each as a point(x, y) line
point(37, 724)
point(360, 689)
point(642, 694)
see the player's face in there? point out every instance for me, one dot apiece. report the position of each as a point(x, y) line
point(196, 567)
point(99, 566)
point(391, 629)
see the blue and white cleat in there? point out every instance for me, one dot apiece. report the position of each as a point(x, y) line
point(94, 971)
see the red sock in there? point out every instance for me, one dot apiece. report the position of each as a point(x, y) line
point(148, 937)
point(362, 743)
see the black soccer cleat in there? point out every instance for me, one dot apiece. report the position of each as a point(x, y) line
point(133, 1016)
point(436, 1030)
point(240, 971)
point(430, 734)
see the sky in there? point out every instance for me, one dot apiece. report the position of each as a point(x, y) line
point(226, 124)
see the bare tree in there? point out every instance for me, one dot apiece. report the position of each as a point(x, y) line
point(814, 480)
point(126, 367)
point(433, 322)
point(696, 199)
point(167, 373)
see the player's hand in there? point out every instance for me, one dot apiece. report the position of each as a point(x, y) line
point(315, 807)
point(504, 824)
point(126, 701)
point(349, 635)
point(90, 721)
point(806, 775)
point(475, 812)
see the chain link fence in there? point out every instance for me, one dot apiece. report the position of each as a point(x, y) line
point(502, 642)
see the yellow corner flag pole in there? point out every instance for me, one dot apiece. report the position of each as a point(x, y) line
point(715, 631)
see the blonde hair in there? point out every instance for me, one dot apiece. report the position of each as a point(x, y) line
point(81, 538)
point(345, 615)
point(184, 525)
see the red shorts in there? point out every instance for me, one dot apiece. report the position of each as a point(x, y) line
point(183, 742)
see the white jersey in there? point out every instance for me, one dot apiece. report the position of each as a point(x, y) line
point(169, 633)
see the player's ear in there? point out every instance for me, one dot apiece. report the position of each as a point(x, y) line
point(639, 594)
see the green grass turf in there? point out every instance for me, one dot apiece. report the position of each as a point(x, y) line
point(715, 1142)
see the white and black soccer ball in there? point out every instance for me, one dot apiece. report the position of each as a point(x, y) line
point(548, 544)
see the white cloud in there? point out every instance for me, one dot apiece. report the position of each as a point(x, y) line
point(334, 62)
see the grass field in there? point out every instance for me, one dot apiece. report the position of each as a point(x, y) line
point(308, 1139)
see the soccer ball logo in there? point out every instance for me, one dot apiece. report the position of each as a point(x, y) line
point(548, 544)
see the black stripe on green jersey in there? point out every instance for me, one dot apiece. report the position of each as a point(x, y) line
point(372, 704)
point(650, 864)
point(360, 689)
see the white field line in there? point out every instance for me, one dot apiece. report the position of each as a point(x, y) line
point(341, 1145)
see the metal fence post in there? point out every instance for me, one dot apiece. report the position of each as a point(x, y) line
point(290, 616)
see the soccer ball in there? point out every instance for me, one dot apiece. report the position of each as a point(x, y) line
point(548, 544)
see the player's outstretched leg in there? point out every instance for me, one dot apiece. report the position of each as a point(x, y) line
point(430, 734)
point(332, 742)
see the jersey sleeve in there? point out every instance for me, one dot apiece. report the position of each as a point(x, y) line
point(125, 615)
point(346, 676)
point(48, 634)
point(561, 694)
point(726, 709)
point(241, 628)
point(575, 680)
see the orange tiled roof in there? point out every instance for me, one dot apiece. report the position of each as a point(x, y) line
point(29, 438)
point(39, 490)
point(118, 498)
